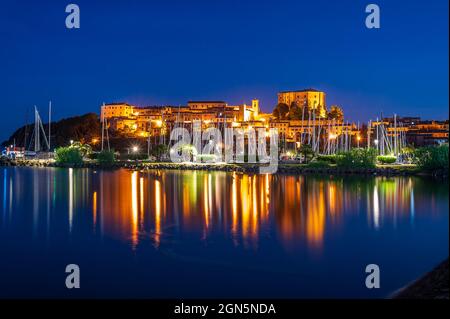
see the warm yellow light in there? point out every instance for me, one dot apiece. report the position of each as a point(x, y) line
point(359, 138)
point(94, 141)
point(332, 136)
point(158, 123)
point(235, 124)
point(267, 134)
point(135, 149)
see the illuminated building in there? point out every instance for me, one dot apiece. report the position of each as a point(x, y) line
point(311, 98)
point(417, 132)
point(141, 121)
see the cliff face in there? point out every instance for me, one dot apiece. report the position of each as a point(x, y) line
point(82, 128)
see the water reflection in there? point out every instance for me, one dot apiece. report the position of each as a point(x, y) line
point(135, 206)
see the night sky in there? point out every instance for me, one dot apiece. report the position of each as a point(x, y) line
point(169, 52)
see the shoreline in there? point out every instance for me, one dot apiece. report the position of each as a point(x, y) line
point(432, 285)
point(283, 168)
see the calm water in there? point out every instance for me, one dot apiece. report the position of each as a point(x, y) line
point(199, 234)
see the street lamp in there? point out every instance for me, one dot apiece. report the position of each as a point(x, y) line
point(135, 149)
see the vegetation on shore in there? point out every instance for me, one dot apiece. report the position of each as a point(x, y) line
point(85, 151)
point(68, 155)
point(431, 158)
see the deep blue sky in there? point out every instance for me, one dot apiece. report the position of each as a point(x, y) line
point(168, 52)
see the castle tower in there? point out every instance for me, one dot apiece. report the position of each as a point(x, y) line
point(255, 108)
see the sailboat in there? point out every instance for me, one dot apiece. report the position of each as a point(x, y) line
point(36, 148)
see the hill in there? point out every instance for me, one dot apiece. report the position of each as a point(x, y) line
point(82, 128)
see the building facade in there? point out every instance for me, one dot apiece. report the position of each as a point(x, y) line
point(313, 99)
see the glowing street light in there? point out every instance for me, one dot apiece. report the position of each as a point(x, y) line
point(135, 149)
point(332, 136)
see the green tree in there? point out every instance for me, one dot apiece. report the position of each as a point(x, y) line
point(357, 158)
point(106, 157)
point(432, 157)
point(68, 155)
point(307, 152)
point(84, 149)
point(159, 150)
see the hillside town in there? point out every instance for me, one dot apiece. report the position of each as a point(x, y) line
point(297, 116)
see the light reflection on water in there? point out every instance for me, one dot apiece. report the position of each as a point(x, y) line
point(179, 209)
point(127, 204)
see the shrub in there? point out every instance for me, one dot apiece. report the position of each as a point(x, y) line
point(207, 158)
point(159, 150)
point(106, 157)
point(68, 155)
point(327, 158)
point(432, 157)
point(84, 149)
point(134, 157)
point(357, 158)
point(318, 164)
point(386, 159)
point(307, 152)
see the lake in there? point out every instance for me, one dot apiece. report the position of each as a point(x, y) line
point(173, 234)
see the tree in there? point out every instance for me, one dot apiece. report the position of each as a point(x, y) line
point(357, 158)
point(432, 157)
point(307, 152)
point(159, 150)
point(276, 113)
point(106, 157)
point(68, 155)
point(335, 113)
point(281, 110)
point(84, 149)
point(295, 112)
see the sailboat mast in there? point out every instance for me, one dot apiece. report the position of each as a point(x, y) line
point(36, 131)
point(102, 118)
point(49, 124)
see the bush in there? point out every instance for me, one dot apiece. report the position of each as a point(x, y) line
point(357, 158)
point(307, 152)
point(159, 150)
point(432, 157)
point(106, 157)
point(68, 155)
point(133, 157)
point(84, 149)
point(386, 159)
point(327, 158)
point(318, 164)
